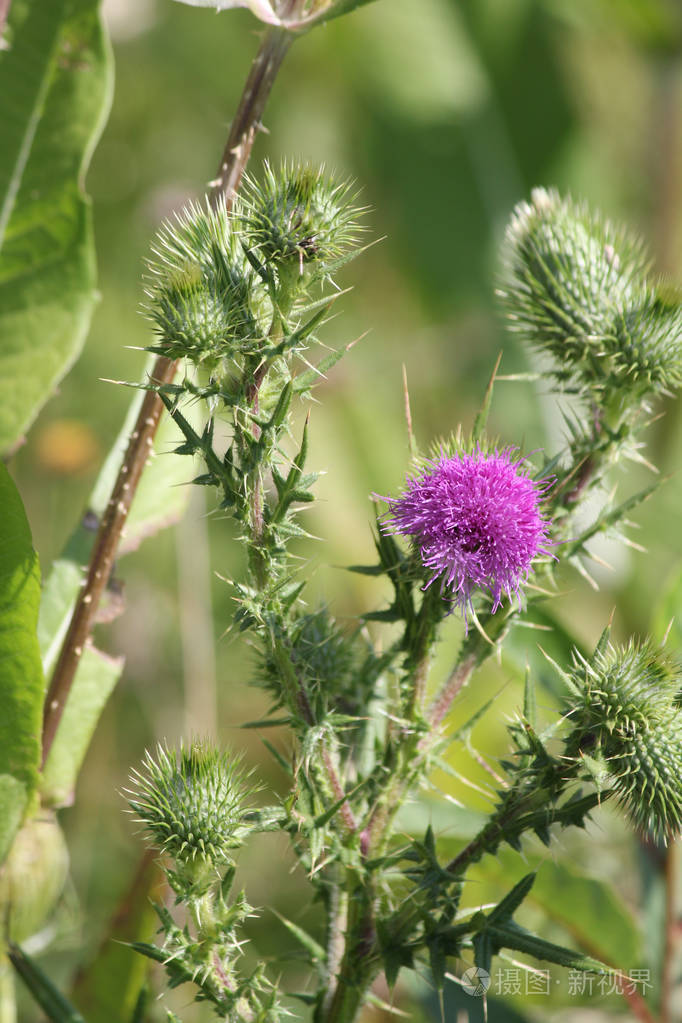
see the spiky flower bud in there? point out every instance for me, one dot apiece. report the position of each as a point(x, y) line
point(191, 802)
point(625, 713)
point(576, 287)
point(200, 293)
point(298, 215)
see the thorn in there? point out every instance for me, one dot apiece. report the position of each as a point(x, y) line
point(408, 415)
point(667, 631)
point(361, 337)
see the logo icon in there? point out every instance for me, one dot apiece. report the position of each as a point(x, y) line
point(475, 981)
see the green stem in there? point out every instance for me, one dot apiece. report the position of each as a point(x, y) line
point(360, 964)
point(337, 922)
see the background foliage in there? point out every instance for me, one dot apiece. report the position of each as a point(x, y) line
point(446, 112)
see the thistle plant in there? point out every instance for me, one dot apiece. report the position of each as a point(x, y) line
point(478, 533)
point(239, 287)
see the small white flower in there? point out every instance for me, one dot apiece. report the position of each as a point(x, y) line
point(263, 9)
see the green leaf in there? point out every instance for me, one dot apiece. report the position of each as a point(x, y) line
point(317, 955)
point(55, 88)
point(588, 910)
point(160, 501)
point(510, 935)
point(21, 676)
point(95, 680)
point(50, 1000)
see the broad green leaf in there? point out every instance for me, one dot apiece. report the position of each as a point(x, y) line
point(21, 676)
point(55, 86)
point(95, 680)
point(59, 594)
point(13, 801)
point(163, 493)
point(160, 501)
point(590, 911)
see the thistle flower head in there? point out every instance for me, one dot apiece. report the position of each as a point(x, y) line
point(624, 708)
point(577, 288)
point(200, 289)
point(298, 215)
point(475, 521)
point(191, 802)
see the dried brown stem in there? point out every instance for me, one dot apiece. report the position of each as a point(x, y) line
point(247, 121)
point(104, 554)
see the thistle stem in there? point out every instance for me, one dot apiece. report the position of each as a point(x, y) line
point(457, 679)
point(237, 151)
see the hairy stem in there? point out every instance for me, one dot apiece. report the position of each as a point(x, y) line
point(337, 921)
point(360, 964)
point(456, 680)
point(233, 162)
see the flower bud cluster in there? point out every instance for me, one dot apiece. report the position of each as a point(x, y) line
point(219, 283)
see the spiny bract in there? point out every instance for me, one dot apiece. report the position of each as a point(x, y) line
point(201, 291)
point(298, 215)
point(191, 802)
point(625, 710)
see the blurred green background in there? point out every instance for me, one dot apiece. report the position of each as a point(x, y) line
point(446, 113)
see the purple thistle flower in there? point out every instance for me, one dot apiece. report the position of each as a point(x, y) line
point(476, 522)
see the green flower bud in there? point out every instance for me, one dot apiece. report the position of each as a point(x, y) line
point(33, 876)
point(201, 291)
point(192, 804)
point(576, 287)
point(625, 713)
point(298, 216)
